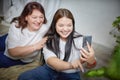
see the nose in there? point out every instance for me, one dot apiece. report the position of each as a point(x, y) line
point(65, 28)
point(38, 20)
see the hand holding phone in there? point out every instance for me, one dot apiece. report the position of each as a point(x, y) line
point(85, 40)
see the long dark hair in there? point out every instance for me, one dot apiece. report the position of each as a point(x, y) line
point(53, 41)
point(28, 9)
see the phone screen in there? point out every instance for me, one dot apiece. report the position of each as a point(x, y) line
point(87, 39)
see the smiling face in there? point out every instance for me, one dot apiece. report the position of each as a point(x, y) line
point(64, 27)
point(35, 20)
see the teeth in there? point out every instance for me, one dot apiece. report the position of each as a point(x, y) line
point(65, 33)
point(36, 23)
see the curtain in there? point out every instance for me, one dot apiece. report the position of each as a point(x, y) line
point(13, 8)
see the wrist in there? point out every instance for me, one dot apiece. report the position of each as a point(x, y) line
point(92, 60)
point(34, 48)
point(91, 65)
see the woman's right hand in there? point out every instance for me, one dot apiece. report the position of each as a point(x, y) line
point(77, 65)
point(40, 44)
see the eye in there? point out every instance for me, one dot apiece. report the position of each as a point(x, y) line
point(34, 17)
point(60, 25)
point(69, 25)
point(41, 17)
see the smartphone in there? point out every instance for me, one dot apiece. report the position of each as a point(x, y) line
point(87, 39)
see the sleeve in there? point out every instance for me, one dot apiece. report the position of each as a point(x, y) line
point(47, 53)
point(13, 36)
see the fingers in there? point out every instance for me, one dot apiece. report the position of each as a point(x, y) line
point(88, 45)
point(43, 41)
point(83, 59)
point(81, 67)
point(90, 49)
point(87, 53)
point(74, 65)
point(77, 65)
point(84, 53)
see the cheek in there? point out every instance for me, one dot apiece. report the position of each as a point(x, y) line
point(26, 18)
point(42, 20)
point(57, 30)
point(71, 29)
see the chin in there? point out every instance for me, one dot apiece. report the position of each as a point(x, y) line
point(37, 28)
point(65, 37)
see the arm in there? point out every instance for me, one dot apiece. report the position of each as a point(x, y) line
point(58, 64)
point(61, 65)
point(22, 51)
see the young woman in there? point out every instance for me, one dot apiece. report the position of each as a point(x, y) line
point(63, 52)
point(25, 36)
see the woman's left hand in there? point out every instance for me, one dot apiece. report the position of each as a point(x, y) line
point(88, 55)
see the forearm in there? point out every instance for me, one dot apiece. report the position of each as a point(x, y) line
point(58, 64)
point(21, 51)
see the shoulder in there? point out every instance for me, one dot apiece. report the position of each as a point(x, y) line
point(48, 53)
point(13, 26)
point(13, 30)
